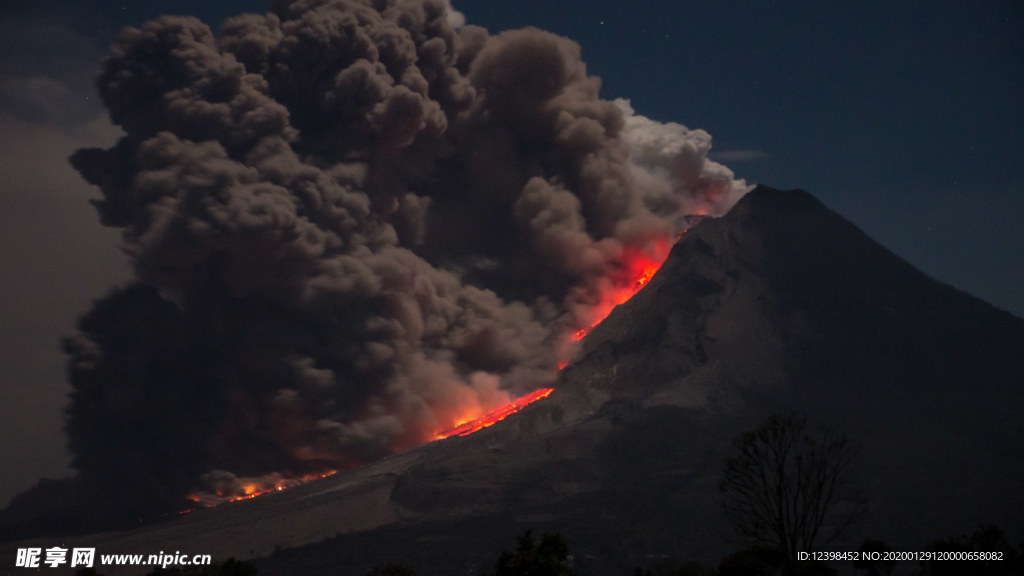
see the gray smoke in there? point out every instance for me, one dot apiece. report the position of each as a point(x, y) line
point(351, 224)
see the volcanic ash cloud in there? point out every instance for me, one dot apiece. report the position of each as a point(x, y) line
point(351, 224)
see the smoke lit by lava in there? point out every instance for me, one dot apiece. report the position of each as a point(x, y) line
point(353, 225)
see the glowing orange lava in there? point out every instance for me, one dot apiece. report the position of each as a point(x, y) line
point(494, 416)
point(637, 269)
point(251, 490)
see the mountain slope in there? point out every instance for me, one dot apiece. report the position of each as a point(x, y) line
point(781, 305)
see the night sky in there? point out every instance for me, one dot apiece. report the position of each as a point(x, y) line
point(907, 120)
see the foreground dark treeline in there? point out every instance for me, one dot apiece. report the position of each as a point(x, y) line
point(550, 556)
point(786, 487)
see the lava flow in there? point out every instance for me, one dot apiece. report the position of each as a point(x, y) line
point(636, 271)
point(639, 272)
point(498, 414)
point(250, 489)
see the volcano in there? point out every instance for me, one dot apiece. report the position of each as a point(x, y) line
point(781, 305)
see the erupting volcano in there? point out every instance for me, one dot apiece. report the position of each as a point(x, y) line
point(353, 224)
point(637, 270)
point(752, 313)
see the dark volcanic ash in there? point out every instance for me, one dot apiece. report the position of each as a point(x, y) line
point(351, 223)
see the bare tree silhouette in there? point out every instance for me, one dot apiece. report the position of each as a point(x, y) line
point(790, 488)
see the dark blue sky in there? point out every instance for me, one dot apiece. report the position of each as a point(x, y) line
point(905, 118)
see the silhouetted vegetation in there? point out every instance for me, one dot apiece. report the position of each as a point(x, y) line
point(753, 561)
point(789, 489)
point(549, 557)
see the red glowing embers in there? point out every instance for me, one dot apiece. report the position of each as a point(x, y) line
point(250, 489)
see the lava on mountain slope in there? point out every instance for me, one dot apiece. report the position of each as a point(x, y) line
point(635, 273)
point(639, 268)
point(467, 427)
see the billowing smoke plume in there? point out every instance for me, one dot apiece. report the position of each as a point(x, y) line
point(352, 222)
